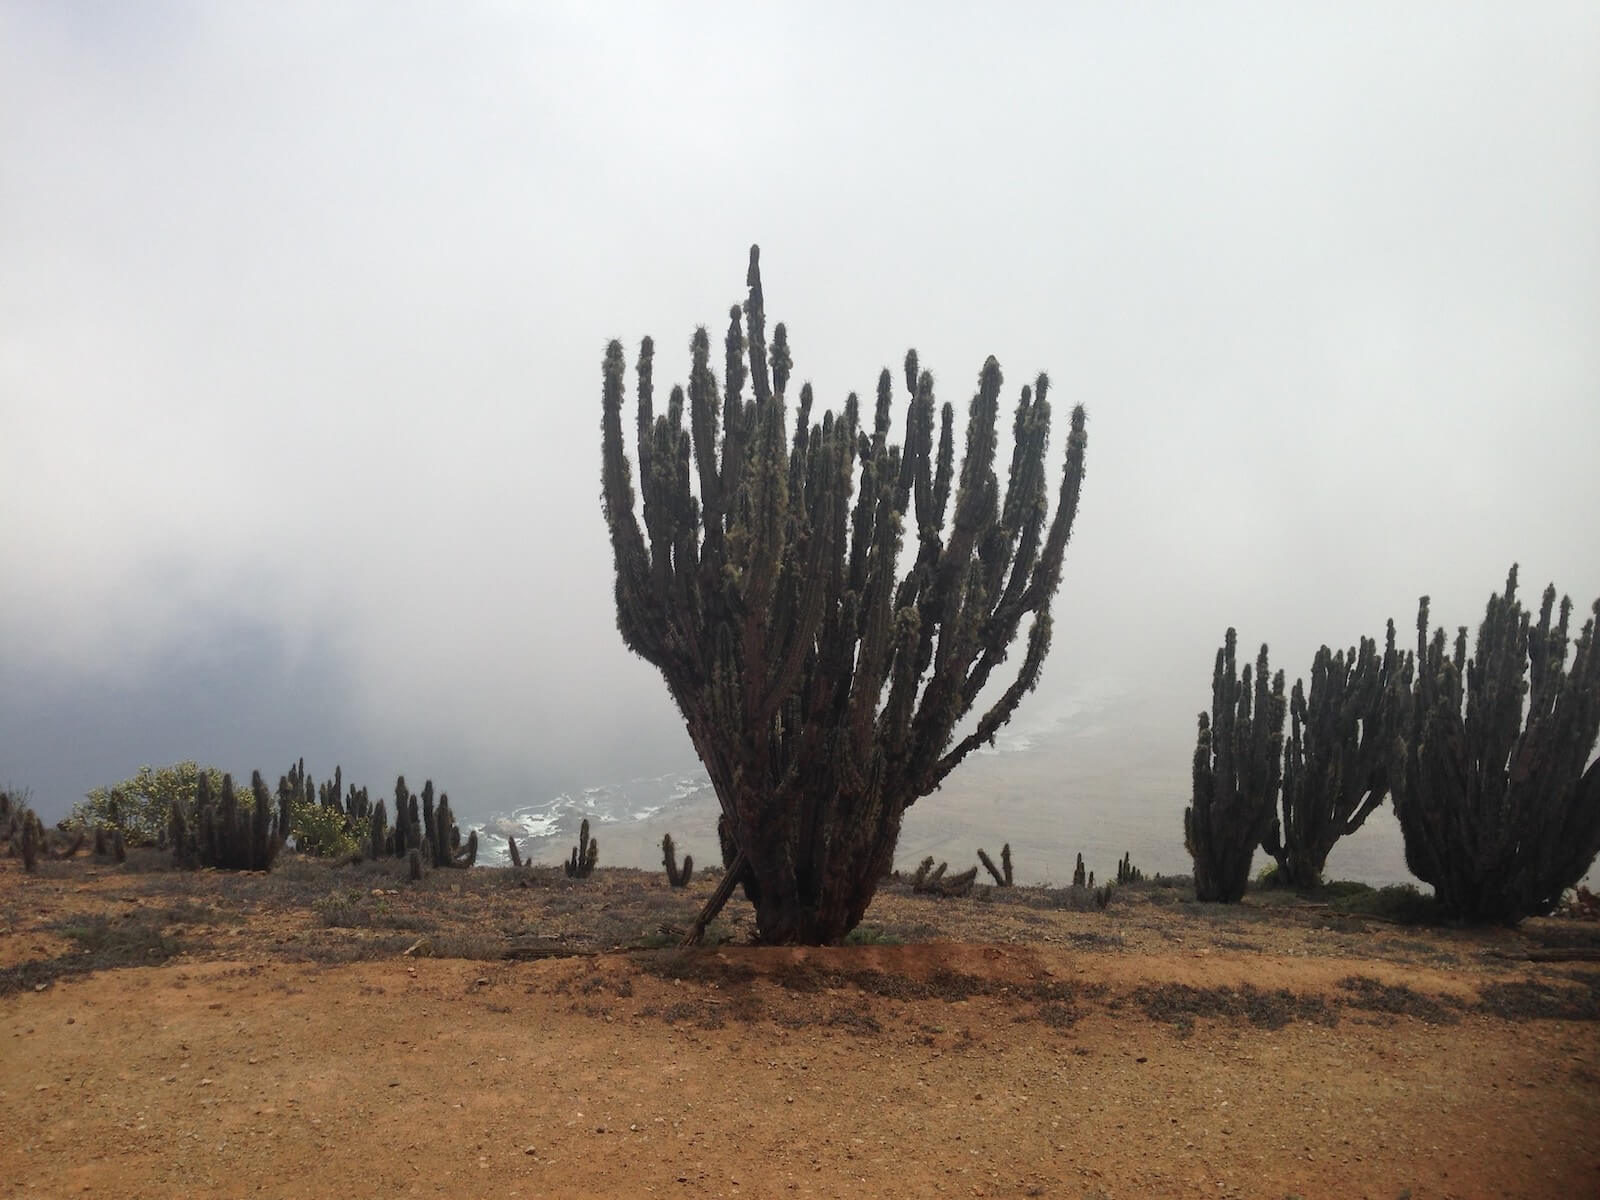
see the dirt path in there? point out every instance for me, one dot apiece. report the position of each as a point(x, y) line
point(296, 1039)
point(746, 1072)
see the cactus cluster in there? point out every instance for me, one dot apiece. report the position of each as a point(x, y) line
point(1342, 740)
point(934, 881)
point(1126, 871)
point(109, 844)
point(420, 825)
point(677, 877)
point(27, 837)
point(1237, 767)
point(1488, 760)
point(584, 855)
point(224, 833)
point(1002, 874)
point(1498, 801)
point(822, 680)
point(222, 829)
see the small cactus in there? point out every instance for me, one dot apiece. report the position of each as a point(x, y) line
point(516, 858)
point(29, 841)
point(1079, 879)
point(377, 831)
point(584, 855)
point(669, 859)
point(931, 880)
point(1002, 875)
point(414, 859)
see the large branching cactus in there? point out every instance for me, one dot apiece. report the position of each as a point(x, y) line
point(1342, 739)
point(820, 679)
point(1237, 769)
point(1498, 800)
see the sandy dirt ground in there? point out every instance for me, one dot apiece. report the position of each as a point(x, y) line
point(307, 1034)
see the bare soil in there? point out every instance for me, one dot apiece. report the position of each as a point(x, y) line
point(339, 1031)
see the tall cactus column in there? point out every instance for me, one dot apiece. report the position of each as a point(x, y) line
point(1236, 773)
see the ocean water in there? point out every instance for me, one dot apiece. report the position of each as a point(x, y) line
point(1102, 772)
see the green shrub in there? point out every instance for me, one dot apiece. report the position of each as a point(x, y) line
point(322, 830)
point(1399, 902)
point(140, 807)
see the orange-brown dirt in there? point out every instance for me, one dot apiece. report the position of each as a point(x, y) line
point(340, 1032)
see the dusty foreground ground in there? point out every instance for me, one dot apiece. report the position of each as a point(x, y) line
point(305, 1034)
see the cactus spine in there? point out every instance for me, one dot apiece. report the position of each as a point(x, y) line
point(1342, 739)
point(1237, 769)
point(822, 684)
point(1498, 811)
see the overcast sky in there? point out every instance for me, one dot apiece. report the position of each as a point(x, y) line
point(302, 311)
